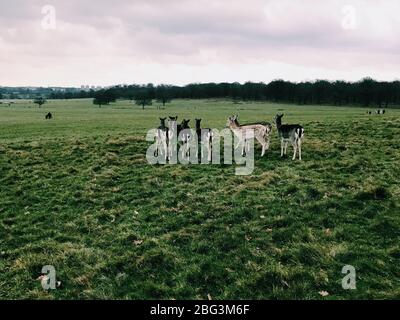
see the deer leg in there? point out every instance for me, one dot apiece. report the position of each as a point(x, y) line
point(156, 151)
point(166, 150)
point(262, 142)
point(170, 145)
point(243, 147)
point(282, 143)
point(183, 149)
point(299, 143)
point(209, 145)
point(294, 150)
point(266, 145)
point(187, 148)
point(239, 142)
point(159, 148)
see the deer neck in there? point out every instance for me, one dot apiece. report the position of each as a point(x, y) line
point(234, 125)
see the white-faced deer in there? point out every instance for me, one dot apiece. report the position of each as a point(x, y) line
point(260, 131)
point(292, 133)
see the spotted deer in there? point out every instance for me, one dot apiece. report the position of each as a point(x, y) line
point(260, 131)
point(293, 133)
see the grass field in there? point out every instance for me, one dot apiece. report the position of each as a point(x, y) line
point(77, 193)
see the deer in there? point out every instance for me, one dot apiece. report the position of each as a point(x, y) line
point(173, 133)
point(186, 136)
point(162, 138)
point(260, 131)
point(293, 133)
point(204, 137)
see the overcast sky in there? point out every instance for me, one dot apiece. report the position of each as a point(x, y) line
point(99, 42)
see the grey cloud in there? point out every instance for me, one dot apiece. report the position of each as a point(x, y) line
point(200, 33)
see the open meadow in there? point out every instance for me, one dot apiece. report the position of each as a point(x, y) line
point(76, 192)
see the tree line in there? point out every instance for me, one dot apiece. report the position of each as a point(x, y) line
point(366, 92)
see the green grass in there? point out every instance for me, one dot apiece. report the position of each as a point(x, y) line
point(77, 193)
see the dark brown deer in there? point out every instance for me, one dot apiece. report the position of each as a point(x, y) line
point(292, 133)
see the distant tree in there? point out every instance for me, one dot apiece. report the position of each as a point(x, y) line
point(1, 96)
point(143, 98)
point(104, 97)
point(151, 91)
point(98, 101)
point(321, 91)
point(367, 91)
point(276, 90)
point(235, 91)
point(39, 101)
point(163, 94)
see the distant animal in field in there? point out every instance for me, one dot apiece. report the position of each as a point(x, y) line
point(260, 131)
point(204, 136)
point(49, 116)
point(380, 111)
point(293, 133)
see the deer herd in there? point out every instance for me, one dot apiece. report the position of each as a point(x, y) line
point(245, 133)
